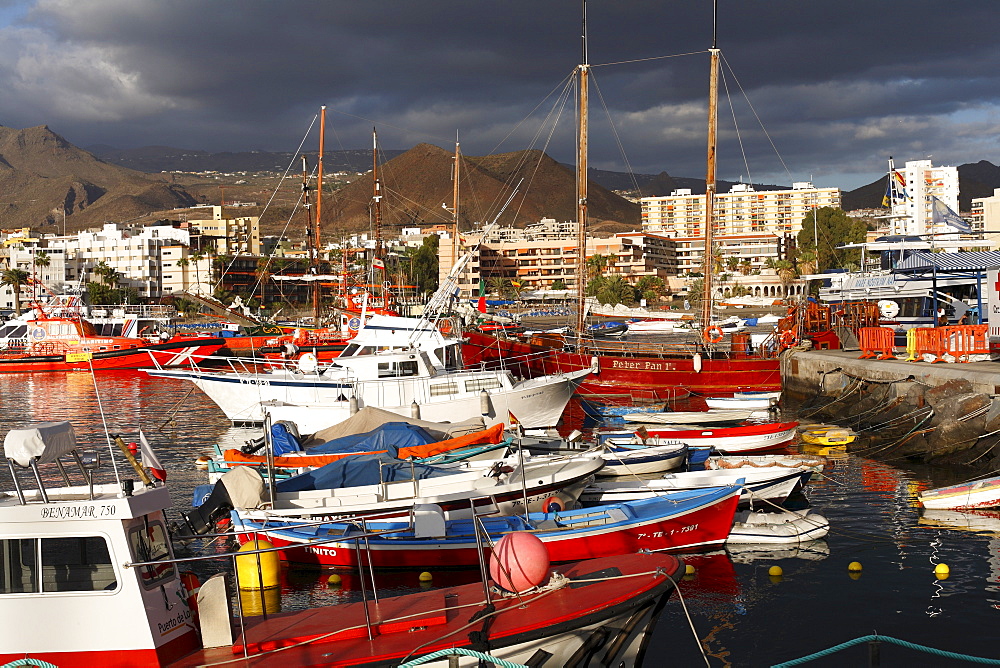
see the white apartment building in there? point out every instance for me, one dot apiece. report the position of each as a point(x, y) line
point(228, 236)
point(741, 211)
point(912, 214)
point(985, 217)
point(545, 253)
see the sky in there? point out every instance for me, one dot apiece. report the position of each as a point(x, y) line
point(811, 90)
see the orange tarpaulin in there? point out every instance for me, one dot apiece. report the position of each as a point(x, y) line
point(492, 435)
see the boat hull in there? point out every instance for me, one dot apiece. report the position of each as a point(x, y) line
point(628, 369)
point(751, 438)
point(173, 353)
point(702, 524)
point(977, 494)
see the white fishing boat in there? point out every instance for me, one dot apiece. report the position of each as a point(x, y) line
point(379, 484)
point(402, 365)
point(727, 440)
point(777, 528)
point(753, 403)
point(690, 417)
point(760, 485)
point(814, 463)
point(983, 493)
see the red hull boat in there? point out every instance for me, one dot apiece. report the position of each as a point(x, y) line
point(65, 344)
point(622, 369)
point(681, 521)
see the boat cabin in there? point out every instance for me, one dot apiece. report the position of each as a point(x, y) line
point(64, 550)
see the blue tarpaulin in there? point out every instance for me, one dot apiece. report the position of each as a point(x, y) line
point(390, 437)
point(358, 471)
point(282, 440)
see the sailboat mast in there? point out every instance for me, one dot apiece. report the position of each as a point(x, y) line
point(454, 205)
point(377, 213)
point(319, 212)
point(310, 227)
point(710, 186)
point(581, 183)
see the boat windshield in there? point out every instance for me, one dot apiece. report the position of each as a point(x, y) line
point(70, 563)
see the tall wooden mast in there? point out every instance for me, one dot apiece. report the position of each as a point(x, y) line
point(710, 186)
point(581, 183)
point(319, 212)
point(454, 205)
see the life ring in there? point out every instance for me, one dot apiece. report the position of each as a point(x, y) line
point(712, 334)
point(191, 585)
point(787, 338)
point(445, 326)
point(553, 504)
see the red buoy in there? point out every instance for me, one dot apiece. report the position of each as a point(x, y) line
point(519, 562)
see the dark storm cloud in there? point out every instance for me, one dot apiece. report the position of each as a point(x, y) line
point(838, 86)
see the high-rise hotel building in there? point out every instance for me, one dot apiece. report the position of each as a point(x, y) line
point(740, 212)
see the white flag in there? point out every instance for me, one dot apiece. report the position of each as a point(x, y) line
point(149, 458)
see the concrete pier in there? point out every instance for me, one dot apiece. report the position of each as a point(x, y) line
point(944, 413)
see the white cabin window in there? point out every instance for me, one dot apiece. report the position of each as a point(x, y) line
point(442, 389)
point(397, 369)
point(73, 563)
point(476, 384)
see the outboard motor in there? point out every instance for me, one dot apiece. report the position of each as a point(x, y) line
point(242, 487)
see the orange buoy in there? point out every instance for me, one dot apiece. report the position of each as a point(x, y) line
point(519, 562)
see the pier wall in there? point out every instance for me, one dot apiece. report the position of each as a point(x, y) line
point(944, 413)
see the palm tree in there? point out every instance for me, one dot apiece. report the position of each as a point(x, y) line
point(183, 263)
point(616, 290)
point(596, 264)
point(16, 279)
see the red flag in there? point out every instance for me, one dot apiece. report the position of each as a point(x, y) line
point(481, 306)
point(150, 460)
point(378, 263)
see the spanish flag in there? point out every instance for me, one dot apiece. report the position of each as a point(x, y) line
point(516, 284)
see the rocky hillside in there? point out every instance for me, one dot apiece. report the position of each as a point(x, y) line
point(44, 177)
point(417, 183)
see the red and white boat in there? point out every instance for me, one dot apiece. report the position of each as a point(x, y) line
point(742, 439)
point(89, 579)
point(68, 344)
point(677, 521)
point(983, 493)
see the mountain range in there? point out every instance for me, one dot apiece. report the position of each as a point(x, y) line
point(47, 183)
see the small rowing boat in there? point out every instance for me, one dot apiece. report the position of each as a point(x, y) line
point(784, 527)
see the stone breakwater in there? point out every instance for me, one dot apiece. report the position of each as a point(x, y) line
point(945, 414)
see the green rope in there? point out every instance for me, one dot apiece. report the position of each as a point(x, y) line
point(895, 641)
point(37, 663)
point(463, 652)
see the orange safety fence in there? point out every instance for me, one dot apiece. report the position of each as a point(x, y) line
point(961, 341)
point(876, 342)
point(929, 341)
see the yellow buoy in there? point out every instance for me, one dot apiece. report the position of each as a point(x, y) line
point(426, 577)
point(257, 571)
point(688, 569)
point(333, 580)
point(941, 571)
point(775, 570)
point(854, 567)
point(256, 602)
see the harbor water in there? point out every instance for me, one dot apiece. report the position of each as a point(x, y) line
point(732, 609)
